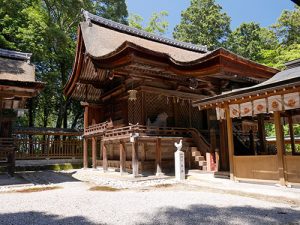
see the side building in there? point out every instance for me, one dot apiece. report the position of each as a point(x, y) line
point(17, 84)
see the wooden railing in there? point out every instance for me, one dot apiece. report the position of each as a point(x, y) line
point(202, 144)
point(97, 128)
point(37, 149)
point(145, 131)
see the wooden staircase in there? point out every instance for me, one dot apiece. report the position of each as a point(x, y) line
point(198, 161)
point(199, 150)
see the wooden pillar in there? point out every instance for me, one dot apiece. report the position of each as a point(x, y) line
point(230, 142)
point(122, 158)
point(261, 132)
point(158, 157)
point(213, 139)
point(252, 143)
point(85, 153)
point(104, 154)
point(190, 113)
point(217, 160)
point(279, 146)
point(291, 131)
point(94, 152)
point(224, 158)
point(143, 152)
point(135, 162)
point(85, 140)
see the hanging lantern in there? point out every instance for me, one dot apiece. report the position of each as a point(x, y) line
point(132, 95)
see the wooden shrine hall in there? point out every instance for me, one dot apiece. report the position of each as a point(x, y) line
point(271, 106)
point(137, 91)
point(17, 84)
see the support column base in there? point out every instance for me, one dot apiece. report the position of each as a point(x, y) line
point(159, 174)
point(136, 175)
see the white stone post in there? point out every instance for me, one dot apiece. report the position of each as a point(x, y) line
point(179, 165)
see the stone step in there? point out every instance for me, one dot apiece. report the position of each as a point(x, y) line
point(202, 163)
point(194, 149)
point(204, 168)
point(199, 158)
point(196, 153)
point(222, 174)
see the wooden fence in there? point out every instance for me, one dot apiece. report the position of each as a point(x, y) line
point(52, 149)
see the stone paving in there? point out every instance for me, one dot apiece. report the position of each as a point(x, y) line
point(198, 200)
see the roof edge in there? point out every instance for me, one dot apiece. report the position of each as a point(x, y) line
point(89, 17)
point(15, 54)
point(226, 51)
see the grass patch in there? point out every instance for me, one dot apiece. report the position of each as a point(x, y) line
point(163, 185)
point(104, 188)
point(37, 189)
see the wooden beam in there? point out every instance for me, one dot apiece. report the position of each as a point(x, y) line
point(135, 163)
point(104, 154)
point(11, 93)
point(230, 142)
point(279, 146)
point(158, 157)
point(172, 93)
point(122, 158)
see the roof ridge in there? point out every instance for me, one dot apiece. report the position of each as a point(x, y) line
point(15, 54)
point(143, 34)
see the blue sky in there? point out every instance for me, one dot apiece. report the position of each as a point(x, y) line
point(264, 12)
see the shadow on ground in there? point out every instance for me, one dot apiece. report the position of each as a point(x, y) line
point(206, 214)
point(41, 218)
point(6, 179)
point(48, 177)
point(36, 178)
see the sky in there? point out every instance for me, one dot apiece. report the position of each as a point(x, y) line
point(264, 12)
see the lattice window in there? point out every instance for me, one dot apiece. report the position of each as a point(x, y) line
point(135, 110)
point(197, 118)
point(182, 113)
point(156, 104)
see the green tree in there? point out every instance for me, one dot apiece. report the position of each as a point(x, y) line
point(249, 39)
point(157, 23)
point(48, 29)
point(203, 22)
point(287, 27)
point(278, 57)
point(115, 10)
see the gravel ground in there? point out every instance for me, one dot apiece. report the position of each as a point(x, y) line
point(75, 204)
